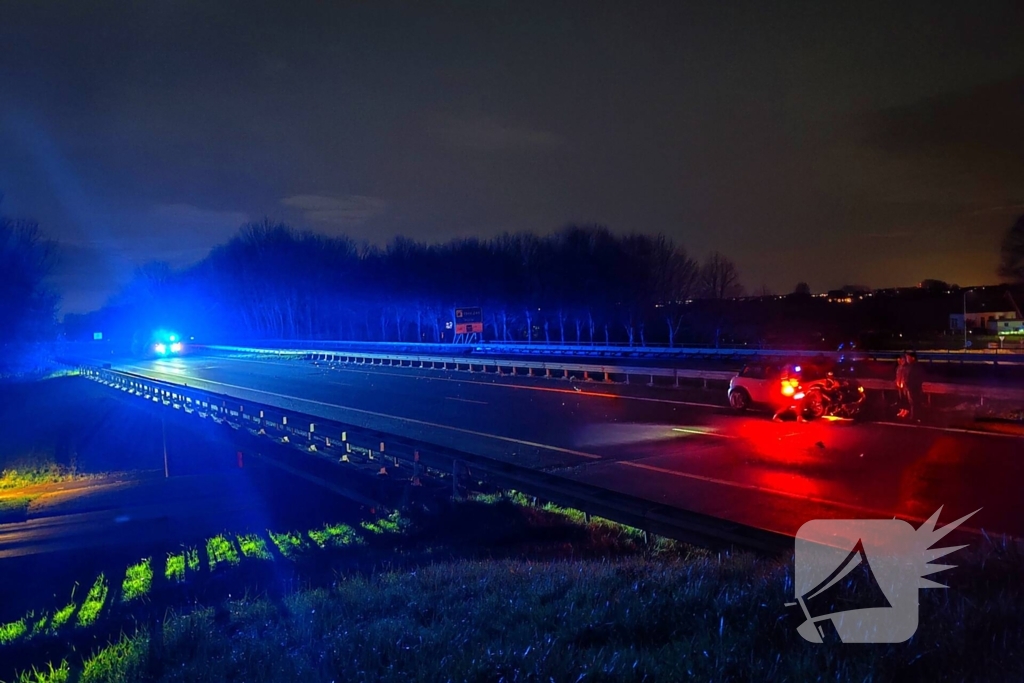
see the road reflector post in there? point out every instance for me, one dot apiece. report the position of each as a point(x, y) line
point(456, 467)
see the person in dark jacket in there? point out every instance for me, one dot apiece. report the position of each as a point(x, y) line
point(902, 402)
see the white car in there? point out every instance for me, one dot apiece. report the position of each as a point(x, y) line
point(768, 385)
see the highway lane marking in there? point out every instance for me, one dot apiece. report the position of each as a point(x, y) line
point(465, 400)
point(860, 510)
point(508, 439)
point(694, 404)
point(702, 432)
point(555, 390)
point(953, 430)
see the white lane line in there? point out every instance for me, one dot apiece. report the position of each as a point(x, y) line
point(951, 430)
point(860, 510)
point(465, 400)
point(703, 432)
point(508, 439)
point(522, 387)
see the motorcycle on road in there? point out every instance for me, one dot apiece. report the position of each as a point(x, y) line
point(832, 397)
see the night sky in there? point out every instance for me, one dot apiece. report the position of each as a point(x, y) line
point(837, 143)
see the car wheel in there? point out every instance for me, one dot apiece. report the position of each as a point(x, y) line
point(813, 406)
point(739, 399)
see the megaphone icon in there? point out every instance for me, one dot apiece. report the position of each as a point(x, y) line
point(851, 586)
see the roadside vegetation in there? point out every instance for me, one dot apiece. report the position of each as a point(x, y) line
point(551, 595)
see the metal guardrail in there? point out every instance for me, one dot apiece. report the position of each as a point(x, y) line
point(337, 441)
point(651, 352)
point(536, 368)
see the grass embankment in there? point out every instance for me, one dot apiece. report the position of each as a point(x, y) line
point(14, 508)
point(702, 616)
point(66, 428)
point(652, 612)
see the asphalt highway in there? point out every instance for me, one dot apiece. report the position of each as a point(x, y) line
point(680, 449)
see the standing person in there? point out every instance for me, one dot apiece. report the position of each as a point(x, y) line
point(915, 384)
point(902, 401)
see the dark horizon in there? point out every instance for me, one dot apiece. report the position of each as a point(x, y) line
point(871, 145)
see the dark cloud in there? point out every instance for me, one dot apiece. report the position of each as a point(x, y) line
point(977, 130)
point(784, 134)
point(350, 210)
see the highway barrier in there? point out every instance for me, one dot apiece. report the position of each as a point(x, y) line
point(525, 366)
point(347, 445)
point(614, 351)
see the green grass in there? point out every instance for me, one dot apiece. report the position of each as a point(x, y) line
point(39, 625)
point(138, 580)
point(174, 569)
point(290, 544)
point(122, 660)
point(220, 550)
point(12, 631)
point(392, 524)
point(702, 617)
point(62, 616)
point(90, 610)
point(336, 536)
point(60, 674)
point(254, 547)
point(178, 564)
point(30, 476)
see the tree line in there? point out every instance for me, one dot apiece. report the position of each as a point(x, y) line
point(27, 303)
point(581, 284)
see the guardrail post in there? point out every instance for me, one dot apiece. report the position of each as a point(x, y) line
point(416, 469)
point(456, 466)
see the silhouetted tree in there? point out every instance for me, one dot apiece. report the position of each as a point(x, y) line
point(1012, 265)
point(802, 289)
point(580, 284)
point(719, 278)
point(27, 304)
point(934, 285)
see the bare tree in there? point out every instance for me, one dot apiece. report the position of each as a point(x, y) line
point(719, 278)
point(1012, 265)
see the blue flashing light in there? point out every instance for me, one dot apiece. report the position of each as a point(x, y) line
point(160, 348)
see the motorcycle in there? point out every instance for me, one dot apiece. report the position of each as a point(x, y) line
point(832, 397)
